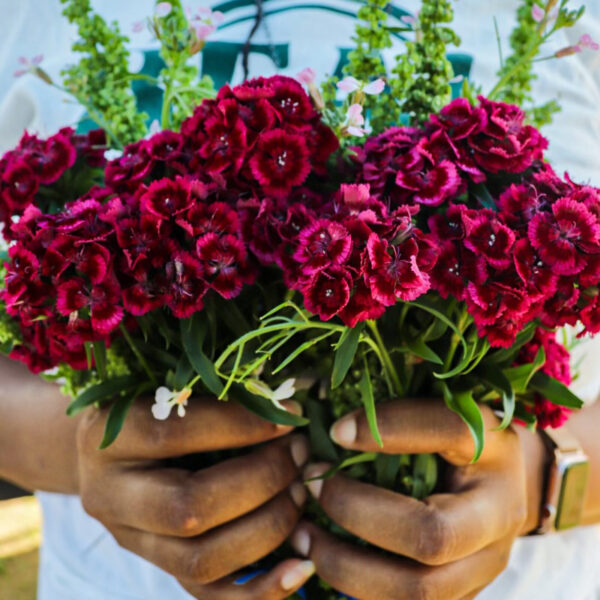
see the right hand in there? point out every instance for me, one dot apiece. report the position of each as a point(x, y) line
point(200, 526)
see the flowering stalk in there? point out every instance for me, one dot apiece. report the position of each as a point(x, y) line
point(101, 80)
point(179, 40)
point(537, 23)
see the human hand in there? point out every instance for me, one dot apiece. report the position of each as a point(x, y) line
point(447, 547)
point(169, 515)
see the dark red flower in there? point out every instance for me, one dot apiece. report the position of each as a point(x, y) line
point(461, 119)
point(321, 244)
point(280, 162)
point(563, 237)
point(102, 300)
point(361, 306)
point(55, 156)
point(19, 185)
point(225, 263)
point(393, 272)
point(327, 292)
point(488, 237)
point(167, 198)
point(431, 185)
point(183, 285)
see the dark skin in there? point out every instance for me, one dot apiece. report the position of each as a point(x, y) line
point(460, 540)
point(200, 526)
point(452, 544)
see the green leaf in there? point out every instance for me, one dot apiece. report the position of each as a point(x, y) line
point(102, 391)
point(193, 334)
point(422, 350)
point(99, 349)
point(302, 348)
point(183, 372)
point(426, 470)
point(554, 391)
point(509, 354)
point(463, 404)
point(231, 316)
point(480, 191)
point(502, 384)
point(265, 408)
point(344, 355)
point(116, 418)
point(366, 392)
point(520, 377)
point(353, 460)
point(427, 305)
point(320, 442)
point(387, 467)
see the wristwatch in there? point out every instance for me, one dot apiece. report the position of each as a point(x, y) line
point(566, 482)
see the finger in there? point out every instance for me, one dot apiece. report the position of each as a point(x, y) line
point(278, 584)
point(369, 575)
point(181, 503)
point(411, 427)
point(220, 552)
point(474, 594)
point(439, 530)
point(207, 426)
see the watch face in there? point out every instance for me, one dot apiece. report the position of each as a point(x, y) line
point(572, 495)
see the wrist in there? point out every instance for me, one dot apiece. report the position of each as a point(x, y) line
point(536, 462)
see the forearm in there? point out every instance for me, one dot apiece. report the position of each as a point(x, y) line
point(585, 426)
point(37, 439)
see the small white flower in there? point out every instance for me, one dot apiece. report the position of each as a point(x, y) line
point(351, 84)
point(283, 392)
point(165, 399)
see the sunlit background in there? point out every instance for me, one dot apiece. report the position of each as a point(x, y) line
point(20, 536)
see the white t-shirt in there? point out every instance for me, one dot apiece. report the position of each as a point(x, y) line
point(80, 560)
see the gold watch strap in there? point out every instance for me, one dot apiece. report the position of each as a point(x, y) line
point(566, 482)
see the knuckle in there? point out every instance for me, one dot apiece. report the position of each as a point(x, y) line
point(436, 538)
point(184, 516)
point(197, 567)
point(283, 517)
point(422, 588)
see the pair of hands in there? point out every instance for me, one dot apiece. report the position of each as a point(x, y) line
point(203, 526)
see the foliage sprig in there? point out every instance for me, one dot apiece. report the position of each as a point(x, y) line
point(101, 80)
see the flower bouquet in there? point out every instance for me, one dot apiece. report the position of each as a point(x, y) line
point(345, 244)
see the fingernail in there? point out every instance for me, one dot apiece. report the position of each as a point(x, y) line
point(297, 575)
point(300, 451)
point(300, 541)
point(311, 472)
point(298, 494)
point(344, 431)
point(292, 406)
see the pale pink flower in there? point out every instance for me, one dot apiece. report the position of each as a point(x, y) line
point(586, 41)
point(28, 65)
point(348, 84)
point(163, 9)
point(538, 13)
point(355, 120)
point(206, 21)
point(351, 84)
point(306, 76)
point(408, 19)
point(138, 26)
point(375, 87)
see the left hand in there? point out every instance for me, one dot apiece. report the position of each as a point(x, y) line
point(459, 540)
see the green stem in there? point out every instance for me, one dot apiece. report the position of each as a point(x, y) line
point(389, 364)
point(526, 58)
point(455, 340)
point(164, 116)
point(138, 354)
